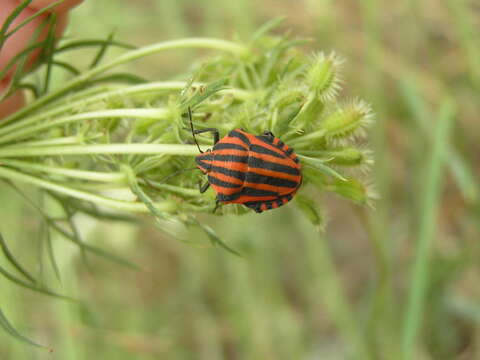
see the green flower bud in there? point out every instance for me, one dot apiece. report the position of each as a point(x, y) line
point(322, 76)
point(351, 189)
point(347, 121)
point(348, 156)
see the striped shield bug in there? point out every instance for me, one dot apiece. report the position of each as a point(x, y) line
point(258, 171)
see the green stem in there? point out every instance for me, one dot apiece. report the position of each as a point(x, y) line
point(68, 140)
point(80, 102)
point(174, 189)
point(99, 149)
point(114, 113)
point(15, 176)
point(108, 177)
point(132, 55)
point(426, 232)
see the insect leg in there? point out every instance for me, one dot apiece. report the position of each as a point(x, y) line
point(204, 187)
point(216, 136)
point(217, 204)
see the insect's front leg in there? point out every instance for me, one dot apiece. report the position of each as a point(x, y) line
point(216, 135)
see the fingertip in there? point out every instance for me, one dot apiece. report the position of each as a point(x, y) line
point(12, 103)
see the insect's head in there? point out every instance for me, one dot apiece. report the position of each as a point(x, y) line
point(267, 136)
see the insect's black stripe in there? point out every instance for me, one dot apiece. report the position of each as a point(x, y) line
point(231, 158)
point(225, 171)
point(253, 177)
point(288, 197)
point(263, 150)
point(280, 143)
point(224, 146)
point(254, 162)
point(296, 160)
point(215, 181)
point(252, 204)
point(239, 135)
point(279, 202)
point(257, 163)
point(289, 151)
point(257, 192)
point(269, 205)
point(223, 197)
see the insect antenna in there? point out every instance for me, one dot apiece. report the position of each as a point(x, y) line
point(193, 131)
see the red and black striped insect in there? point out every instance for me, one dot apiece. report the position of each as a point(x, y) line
point(258, 171)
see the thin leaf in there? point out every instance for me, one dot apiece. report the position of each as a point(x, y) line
point(29, 286)
point(66, 66)
point(320, 166)
point(11, 259)
point(51, 254)
point(5, 324)
point(78, 44)
point(214, 239)
point(21, 55)
point(267, 27)
point(94, 250)
point(461, 169)
point(29, 86)
point(34, 16)
point(10, 19)
point(203, 93)
point(120, 78)
point(48, 50)
point(426, 231)
point(102, 51)
point(144, 198)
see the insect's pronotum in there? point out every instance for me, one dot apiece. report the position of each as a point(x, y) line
point(258, 171)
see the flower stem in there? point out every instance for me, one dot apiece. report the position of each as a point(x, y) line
point(114, 113)
point(15, 176)
point(108, 177)
point(132, 55)
point(155, 149)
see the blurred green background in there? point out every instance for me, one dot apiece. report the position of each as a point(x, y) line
point(296, 294)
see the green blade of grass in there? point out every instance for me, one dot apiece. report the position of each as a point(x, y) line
point(102, 51)
point(5, 324)
point(10, 19)
point(79, 44)
point(124, 78)
point(47, 51)
point(460, 168)
point(214, 239)
point(73, 70)
point(31, 18)
point(11, 259)
point(53, 224)
point(51, 253)
point(426, 231)
point(33, 287)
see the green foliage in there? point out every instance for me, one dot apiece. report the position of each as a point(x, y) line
point(72, 138)
point(76, 141)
